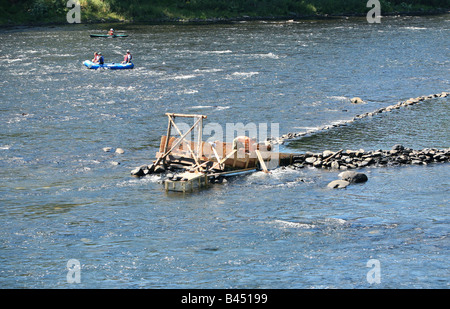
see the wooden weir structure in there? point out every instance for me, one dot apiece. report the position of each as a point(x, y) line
point(208, 162)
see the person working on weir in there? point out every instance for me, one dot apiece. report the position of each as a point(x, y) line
point(249, 145)
point(245, 143)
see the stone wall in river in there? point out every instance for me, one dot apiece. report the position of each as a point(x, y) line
point(411, 101)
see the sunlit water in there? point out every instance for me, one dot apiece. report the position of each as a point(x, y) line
point(62, 197)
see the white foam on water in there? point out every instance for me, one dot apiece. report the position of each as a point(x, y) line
point(244, 74)
point(207, 70)
point(180, 77)
point(200, 107)
point(414, 28)
point(216, 52)
point(295, 225)
point(188, 91)
point(339, 98)
point(12, 60)
point(268, 55)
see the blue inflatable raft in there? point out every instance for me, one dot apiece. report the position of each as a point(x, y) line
point(112, 66)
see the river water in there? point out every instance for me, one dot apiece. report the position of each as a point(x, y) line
point(62, 197)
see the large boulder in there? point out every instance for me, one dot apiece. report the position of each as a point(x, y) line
point(353, 177)
point(338, 184)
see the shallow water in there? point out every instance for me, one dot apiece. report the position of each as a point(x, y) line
point(63, 197)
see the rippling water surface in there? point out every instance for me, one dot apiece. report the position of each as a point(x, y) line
point(62, 197)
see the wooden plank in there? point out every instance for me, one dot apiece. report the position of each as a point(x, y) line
point(179, 132)
point(176, 144)
point(224, 159)
point(261, 161)
point(232, 172)
point(186, 115)
point(332, 156)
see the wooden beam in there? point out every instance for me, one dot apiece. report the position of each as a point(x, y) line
point(187, 144)
point(175, 145)
point(332, 156)
point(224, 159)
point(261, 161)
point(186, 115)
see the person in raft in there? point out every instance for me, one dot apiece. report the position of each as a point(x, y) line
point(101, 60)
point(111, 31)
point(127, 58)
point(95, 60)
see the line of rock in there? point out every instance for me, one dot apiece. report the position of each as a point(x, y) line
point(411, 101)
point(353, 159)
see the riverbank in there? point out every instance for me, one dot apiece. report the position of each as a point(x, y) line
point(53, 12)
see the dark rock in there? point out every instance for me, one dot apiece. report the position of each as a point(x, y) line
point(138, 172)
point(353, 177)
point(398, 147)
point(317, 163)
point(159, 169)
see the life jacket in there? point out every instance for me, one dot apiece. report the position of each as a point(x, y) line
point(127, 58)
point(101, 60)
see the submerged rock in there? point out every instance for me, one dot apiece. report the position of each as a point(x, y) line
point(338, 184)
point(356, 100)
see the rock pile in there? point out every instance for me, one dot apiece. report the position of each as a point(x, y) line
point(352, 159)
point(408, 102)
point(349, 159)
